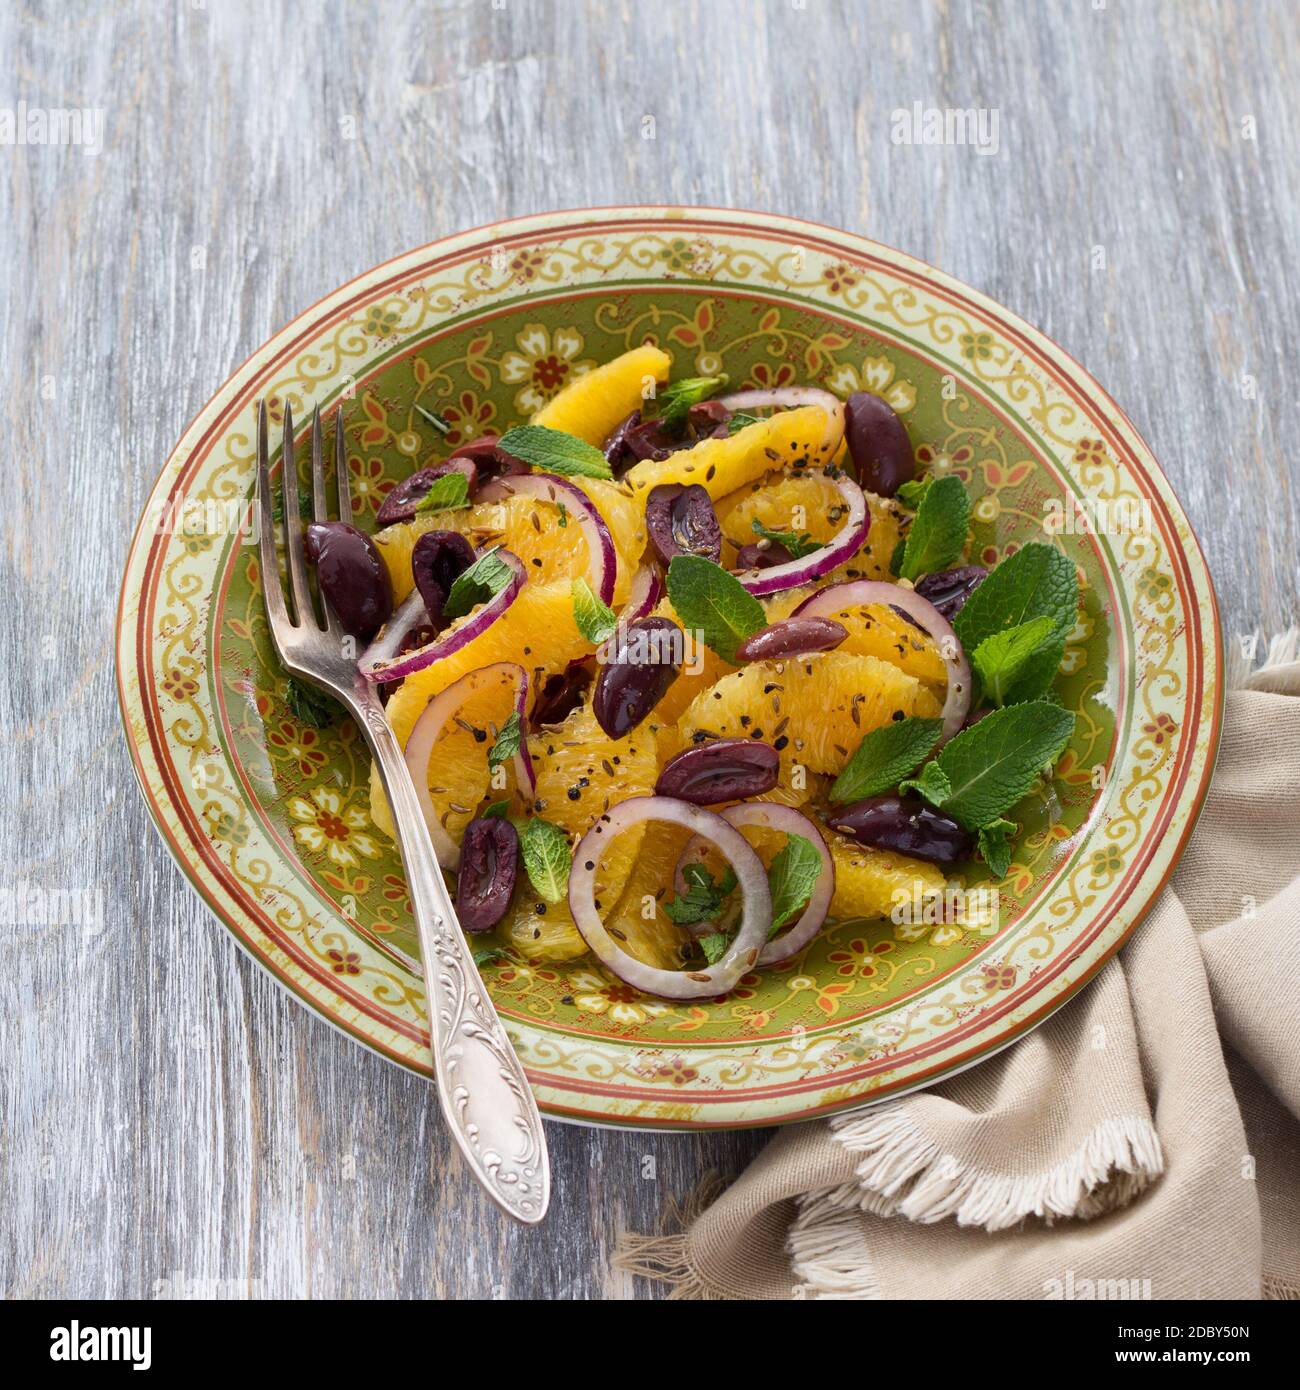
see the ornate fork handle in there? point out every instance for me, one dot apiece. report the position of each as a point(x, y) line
point(485, 1096)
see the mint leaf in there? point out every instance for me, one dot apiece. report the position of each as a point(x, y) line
point(553, 451)
point(595, 620)
point(436, 420)
point(497, 810)
point(714, 946)
point(885, 756)
point(792, 876)
point(703, 899)
point(1037, 581)
point(487, 955)
point(999, 660)
point(911, 492)
point(672, 403)
point(447, 493)
point(507, 741)
point(798, 543)
point(741, 420)
point(933, 784)
point(484, 579)
point(545, 851)
point(309, 705)
point(896, 556)
point(987, 768)
point(995, 845)
point(938, 533)
point(713, 603)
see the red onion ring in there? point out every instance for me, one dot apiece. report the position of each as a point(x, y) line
point(755, 920)
point(773, 816)
point(790, 398)
point(380, 661)
point(643, 598)
point(842, 546)
point(437, 714)
point(547, 487)
point(835, 598)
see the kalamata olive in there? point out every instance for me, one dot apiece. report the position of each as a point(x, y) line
point(728, 769)
point(352, 576)
point(792, 637)
point(681, 521)
point(561, 694)
point(905, 825)
point(616, 448)
point(488, 459)
point(643, 664)
point(400, 504)
point(950, 589)
point(762, 557)
point(489, 860)
point(437, 561)
point(708, 419)
point(651, 439)
point(878, 443)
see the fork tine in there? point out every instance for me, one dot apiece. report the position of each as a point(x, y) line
point(341, 468)
point(320, 508)
point(273, 594)
point(304, 613)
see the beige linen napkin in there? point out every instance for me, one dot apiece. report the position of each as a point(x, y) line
point(1143, 1143)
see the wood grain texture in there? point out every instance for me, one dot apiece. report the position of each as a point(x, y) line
point(167, 1113)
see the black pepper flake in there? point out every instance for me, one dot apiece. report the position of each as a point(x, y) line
point(575, 793)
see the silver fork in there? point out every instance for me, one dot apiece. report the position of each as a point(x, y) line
point(481, 1085)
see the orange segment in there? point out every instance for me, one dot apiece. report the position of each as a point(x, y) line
point(821, 705)
point(791, 439)
point(875, 882)
point(591, 405)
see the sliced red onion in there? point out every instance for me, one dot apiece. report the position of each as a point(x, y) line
point(859, 593)
point(643, 598)
point(789, 398)
point(381, 660)
point(756, 916)
point(437, 714)
point(786, 820)
point(547, 487)
point(842, 546)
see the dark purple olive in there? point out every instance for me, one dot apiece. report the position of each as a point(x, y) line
point(729, 769)
point(905, 825)
point(352, 576)
point(615, 448)
point(652, 439)
point(560, 695)
point(878, 443)
point(762, 557)
point(644, 663)
point(401, 503)
point(792, 637)
point(974, 717)
point(487, 458)
point(708, 419)
point(437, 561)
point(949, 590)
point(681, 521)
point(489, 860)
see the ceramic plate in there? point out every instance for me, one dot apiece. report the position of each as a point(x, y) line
point(268, 816)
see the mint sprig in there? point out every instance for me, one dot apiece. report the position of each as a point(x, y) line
point(672, 403)
point(884, 757)
point(544, 848)
point(448, 493)
point(484, 580)
point(1000, 660)
point(938, 533)
point(309, 705)
point(1037, 581)
point(741, 420)
point(995, 845)
point(594, 619)
point(792, 876)
point(506, 744)
point(554, 451)
point(911, 492)
point(703, 899)
point(713, 603)
point(715, 945)
point(986, 769)
point(798, 543)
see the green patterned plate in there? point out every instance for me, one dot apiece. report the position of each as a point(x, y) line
point(268, 816)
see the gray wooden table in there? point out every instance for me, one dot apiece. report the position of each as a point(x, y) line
point(169, 1119)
